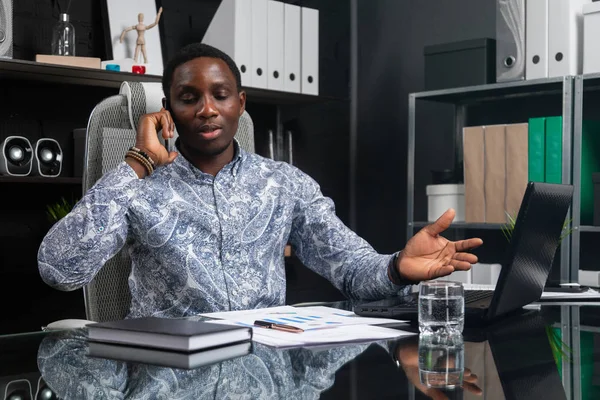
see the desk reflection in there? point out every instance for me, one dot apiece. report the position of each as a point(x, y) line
point(512, 360)
point(266, 373)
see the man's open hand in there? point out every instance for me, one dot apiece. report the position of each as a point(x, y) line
point(428, 255)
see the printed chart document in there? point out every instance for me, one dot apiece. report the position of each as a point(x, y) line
point(321, 325)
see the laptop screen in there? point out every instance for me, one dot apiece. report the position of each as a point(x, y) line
point(532, 248)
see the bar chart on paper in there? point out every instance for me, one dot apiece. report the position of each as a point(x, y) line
point(302, 320)
point(307, 318)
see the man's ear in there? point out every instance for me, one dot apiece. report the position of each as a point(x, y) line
point(242, 96)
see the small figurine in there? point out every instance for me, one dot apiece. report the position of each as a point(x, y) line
point(141, 29)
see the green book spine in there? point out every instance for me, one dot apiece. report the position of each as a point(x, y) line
point(590, 163)
point(536, 149)
point(553, 150)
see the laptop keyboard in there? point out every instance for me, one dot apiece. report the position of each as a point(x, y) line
point(476, 295)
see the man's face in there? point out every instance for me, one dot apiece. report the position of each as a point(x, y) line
point(205, 105)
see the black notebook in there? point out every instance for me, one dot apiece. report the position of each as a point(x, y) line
point(170, 359)
point(168, 333)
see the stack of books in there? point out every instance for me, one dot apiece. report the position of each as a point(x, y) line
point(167, 342)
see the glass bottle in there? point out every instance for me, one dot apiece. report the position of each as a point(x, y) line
point(63, 37)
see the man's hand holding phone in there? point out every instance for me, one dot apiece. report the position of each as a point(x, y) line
point(147, 140)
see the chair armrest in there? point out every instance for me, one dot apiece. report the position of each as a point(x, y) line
point(64, 324)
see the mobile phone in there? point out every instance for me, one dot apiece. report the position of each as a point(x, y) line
point(567, 289)
point(166, 106)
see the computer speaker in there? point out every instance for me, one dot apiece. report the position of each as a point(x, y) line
point(18, 388)
point(6, 29)
point(16, 156)
point(23, 387)
point(48, 158)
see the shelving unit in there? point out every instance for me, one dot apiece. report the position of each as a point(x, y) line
point(560, 89)
point(41, 72)
point(582, 84)
point(40, 179)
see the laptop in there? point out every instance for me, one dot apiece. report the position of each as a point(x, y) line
point(533, 244)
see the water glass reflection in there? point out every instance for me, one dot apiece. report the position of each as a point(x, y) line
point(441, 360)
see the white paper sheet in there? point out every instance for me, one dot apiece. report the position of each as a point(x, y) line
point(322, 337)
point(306, 318)
point(322, 326)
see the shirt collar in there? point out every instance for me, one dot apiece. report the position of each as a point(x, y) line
point(232, 167)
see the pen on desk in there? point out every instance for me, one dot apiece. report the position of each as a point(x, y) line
point(279, 327)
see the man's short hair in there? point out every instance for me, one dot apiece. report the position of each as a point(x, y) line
point(191, 52)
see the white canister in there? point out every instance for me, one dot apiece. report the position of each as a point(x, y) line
point(442, 197)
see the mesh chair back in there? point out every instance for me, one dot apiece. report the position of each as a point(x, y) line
point(109, 136)
point(245, 133)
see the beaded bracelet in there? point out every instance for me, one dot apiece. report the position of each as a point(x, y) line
point(141, 160)
point(149, 168)
point(143, 154)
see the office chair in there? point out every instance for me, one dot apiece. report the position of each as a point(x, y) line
point(111, 131)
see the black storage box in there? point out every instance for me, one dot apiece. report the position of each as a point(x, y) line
point(596, 180)
point(460, 64)
point(78, 151)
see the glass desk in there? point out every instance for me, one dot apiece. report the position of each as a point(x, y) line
point(552, 351)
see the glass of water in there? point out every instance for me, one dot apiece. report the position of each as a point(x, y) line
point(441, 307)
point(441, 360)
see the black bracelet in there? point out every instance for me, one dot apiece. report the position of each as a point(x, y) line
point(394, 273)
point(397, 279)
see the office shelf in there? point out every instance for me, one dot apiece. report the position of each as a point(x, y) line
point(582, 83)
point(41, 179)
point(60, 74)
point(495, 91)
point(42, 72)
point(560, 88)
point(591, 81)
point(589, 228)
point(267, 96)
point(462, 225)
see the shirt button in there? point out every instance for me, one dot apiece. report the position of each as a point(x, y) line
point(101, 229)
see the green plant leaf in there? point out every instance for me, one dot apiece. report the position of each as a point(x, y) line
point(509, 227)
point(567, 230)
point(59, 209)
point(560, 350)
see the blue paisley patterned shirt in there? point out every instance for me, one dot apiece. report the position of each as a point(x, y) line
point(200, 243)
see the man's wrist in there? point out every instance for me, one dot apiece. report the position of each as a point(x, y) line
point(137, 167)
point(394, 272)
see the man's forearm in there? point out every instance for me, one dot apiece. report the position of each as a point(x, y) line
point(78, 245)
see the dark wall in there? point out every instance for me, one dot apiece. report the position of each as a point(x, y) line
point(33, 21)
point(391, 37)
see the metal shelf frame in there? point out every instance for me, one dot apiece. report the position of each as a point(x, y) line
point(582, 83)
point(462, 98)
